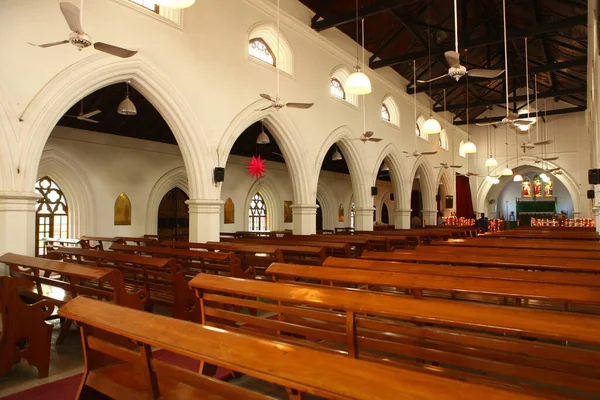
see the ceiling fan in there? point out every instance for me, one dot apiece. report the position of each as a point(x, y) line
point(468, 174)
point(79, 38)
point(368, 137)
point(418, 154)
point(85, 117)
point(529, 145)
point(457, 70)
point(276, 103)
point(446, 166)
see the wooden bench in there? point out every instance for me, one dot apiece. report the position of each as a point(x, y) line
point(473, 342)
point(297, 253)
point(59, 282)
point(540, 234)
point(132, 373)
point(331, 248)
point(24, 333)
point(162, 278)
point(51, 243)
point(547, 244)
point(102, 243)
point(478, 289)
point(537, 263)
point(508, 252)
point(193, 262)
point(139, 241)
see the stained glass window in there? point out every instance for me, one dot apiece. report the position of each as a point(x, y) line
point(150, 5)
point(537, 186)
point(526, 188)
point(257, 214)
point(336, 89)
point(548, 189)
point(259, 49)
point(52, 214)
point(385, 114)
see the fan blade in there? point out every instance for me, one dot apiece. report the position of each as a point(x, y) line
point(472, 174)
point(266, 97)
point(429, 153)
point(485, 73)
point(406, 152)
point(453, 58)
point(487, 123)
point(72, 14)
point(543, 143)
point(550, 159)
point(434, 79)
point(456, 166)
point(263, 109)
point(48, 44)
point(374, 139)
point(114, 50)
point(438, 167)
point(368, 134)
point(522, 122)
point(82, 118)
point(299, 105)
point(552, 170)
point(91, 114)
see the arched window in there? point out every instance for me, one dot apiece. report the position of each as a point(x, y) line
point(149, 4)
point(417, 130)
point(460, 149)
point(443, 140)
point(336, 89)
point(257, 214)
point(257, 48)
point(385, 114)
point(51, 214)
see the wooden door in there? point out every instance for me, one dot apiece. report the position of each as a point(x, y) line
point(173, 215)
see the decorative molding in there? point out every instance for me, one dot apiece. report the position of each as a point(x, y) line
point(268, 33)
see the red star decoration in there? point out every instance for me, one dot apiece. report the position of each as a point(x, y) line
point(256, 167)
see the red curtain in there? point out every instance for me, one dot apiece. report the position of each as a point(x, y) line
point(464, 203)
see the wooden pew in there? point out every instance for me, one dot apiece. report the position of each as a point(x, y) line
point(24, 333)
point(508, 252)
point(193, 262)
point(331, 248)
point(540, 234)
point(506, 344)
point(297, 253)
point(357, 243)
point(51, 243)
point(537, 263)
point(301, 370)
point(138, 241)
point(547, 244)
point(422, 284)
point(102, 243)
point(162, 278)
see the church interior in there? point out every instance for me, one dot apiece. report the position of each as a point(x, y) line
point(299, 199)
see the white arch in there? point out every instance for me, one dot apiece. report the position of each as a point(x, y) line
point(420, 122)
point(565, 178)
point(352, 156)
point(342, 73)
point(443, 139)
point(329, 208)
point(395, 162)
point(177, 177)
point(426, 182)
point(289, 140)
point(98, 71)
point(393, 110)
point(69, 177)
point(271, 198)
point(460, 149)
point(268, 33)
point(8, 141)
point(387, 201)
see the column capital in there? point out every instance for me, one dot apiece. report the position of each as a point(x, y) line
point(304, 207)
point(18, 201)
point(204, 206)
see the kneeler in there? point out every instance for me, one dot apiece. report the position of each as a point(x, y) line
point(25, 333)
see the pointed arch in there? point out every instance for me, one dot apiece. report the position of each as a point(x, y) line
point(420, 122)
point(175, 178)
point(427, 182)
point(8, 141)
point(100, 70)
point(342, 73)
point(289, 140)
point(271, 198)
point(328, 207)
point(353, 155)
point(267, 32)
point(392, 156)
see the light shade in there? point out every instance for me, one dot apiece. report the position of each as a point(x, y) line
point(507, 171)
point(491, 162)
point(431, 127)
point(544, 177)
point(127, 107)
point(262, 138)
point(358, 83)
point(336, 156)
point(495, 181)
point(175, 3)
point(517, 178)
point(488, 178)
point(469, 147)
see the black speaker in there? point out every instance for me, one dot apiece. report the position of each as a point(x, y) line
point(219, 174)
point(594, 176)
point(373, 190)
point(449, 201)
point(590, 194)
point(391, 196)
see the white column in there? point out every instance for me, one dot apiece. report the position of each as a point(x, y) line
point(205, 220)
point(305, 218)
point(17, 223)
point(429, 217)
point(402, 219)
point(363, 218)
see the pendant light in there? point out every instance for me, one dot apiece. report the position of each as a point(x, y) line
point(262, 137)
point(490, 162)
point(336, 156)
point(518, 177)
point(175, 3)
point(506, 171)
point(358, 82)
point(468, 147)
point(431, 126)
point(127, 107)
